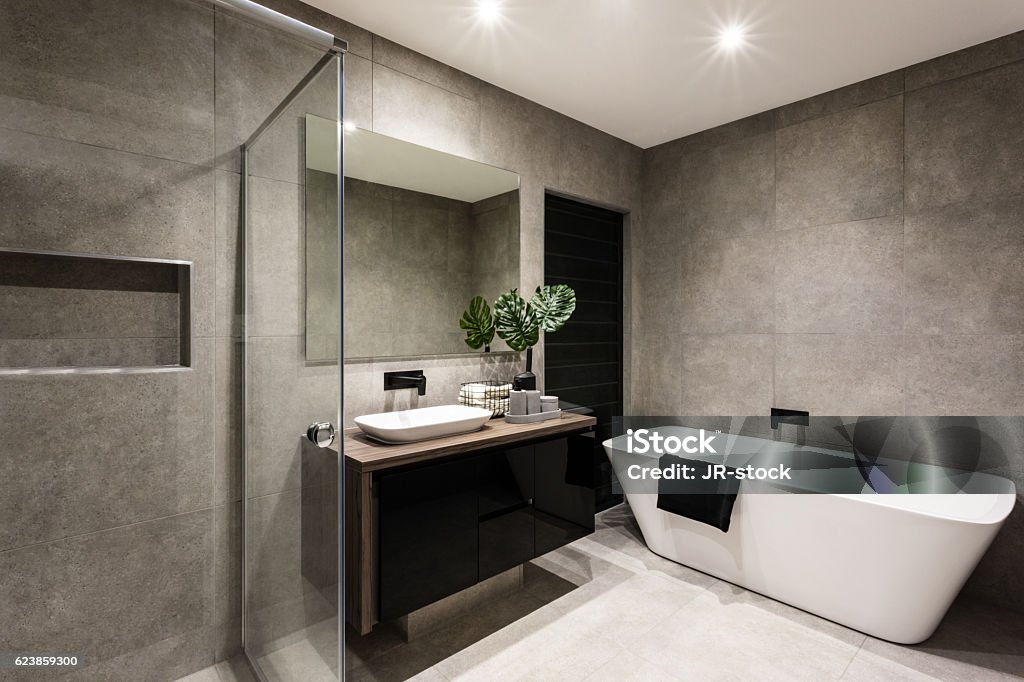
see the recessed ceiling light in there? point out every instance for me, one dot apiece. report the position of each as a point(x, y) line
point(350, 126)
point(731, 37)
point(488, 10)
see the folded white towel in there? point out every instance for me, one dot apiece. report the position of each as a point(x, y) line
point(499, 406)
point(485, 390)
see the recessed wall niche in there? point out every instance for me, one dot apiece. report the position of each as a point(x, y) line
point(64, 310)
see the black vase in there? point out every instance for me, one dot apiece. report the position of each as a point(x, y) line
point(526, 381)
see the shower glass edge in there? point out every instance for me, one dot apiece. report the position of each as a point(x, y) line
point(330, 68)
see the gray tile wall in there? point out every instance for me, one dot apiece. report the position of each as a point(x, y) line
point(129, 147)
point(858, 252)
point(392, 90)
point(408, 271)
point(113, 313)
point(119, 518)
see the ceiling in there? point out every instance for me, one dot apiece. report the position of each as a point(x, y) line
point(649, 71)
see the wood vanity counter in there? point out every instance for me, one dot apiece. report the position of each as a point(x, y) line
point(367, 461)
point(365, 454)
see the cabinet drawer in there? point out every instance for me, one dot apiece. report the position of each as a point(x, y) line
point(506, 480)
point(563, 509)
point(428, 535)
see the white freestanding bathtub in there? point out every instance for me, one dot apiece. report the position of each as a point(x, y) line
point(887, 565)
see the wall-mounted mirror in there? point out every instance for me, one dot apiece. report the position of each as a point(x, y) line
point(424, 233)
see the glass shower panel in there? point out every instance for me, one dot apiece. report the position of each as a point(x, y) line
point(291, 529)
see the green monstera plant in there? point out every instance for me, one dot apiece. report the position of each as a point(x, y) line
point(478, 324)
point(516, 321)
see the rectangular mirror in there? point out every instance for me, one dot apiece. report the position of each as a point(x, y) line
point(425, 232)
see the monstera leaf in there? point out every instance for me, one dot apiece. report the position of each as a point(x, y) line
point(553, 305)
point(515, 321)
point(478, 323)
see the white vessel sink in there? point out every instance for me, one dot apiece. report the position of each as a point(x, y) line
point(424, 423)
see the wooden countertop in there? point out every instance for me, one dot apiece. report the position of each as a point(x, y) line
point(365, 454)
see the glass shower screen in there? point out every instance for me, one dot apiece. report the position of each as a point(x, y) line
point(291, 494)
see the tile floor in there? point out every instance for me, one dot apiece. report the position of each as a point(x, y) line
point(606, 608)
point(235, 670)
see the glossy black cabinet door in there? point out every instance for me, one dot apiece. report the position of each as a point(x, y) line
point(563, 491)
point(428, 534)
point(506, 482)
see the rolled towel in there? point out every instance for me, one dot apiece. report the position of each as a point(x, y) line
point(486, 390)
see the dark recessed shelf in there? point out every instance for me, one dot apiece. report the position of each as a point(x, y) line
point(77, 313)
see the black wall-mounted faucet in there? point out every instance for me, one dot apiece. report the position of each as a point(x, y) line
point(408, 379)
point(799, 417)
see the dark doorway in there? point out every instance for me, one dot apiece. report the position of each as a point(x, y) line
point(583, 360)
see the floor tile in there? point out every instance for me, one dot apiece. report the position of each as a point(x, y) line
point(729, 633)
point(626, 666)
point(204, 675)
point(235, 670)
point(607, 608)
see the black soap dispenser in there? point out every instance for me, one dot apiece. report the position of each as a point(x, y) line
point(526, 381)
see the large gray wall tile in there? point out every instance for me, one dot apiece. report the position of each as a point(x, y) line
point(280, 150)
point(229, 254)
point(141, 448)
point(840, 99)
point(661, 200)
point(729, 191)
point(102, 594)
point(400, 58)
point(275, 262)
point(840, 278)
point(660, 389)
point(359, 92)
point(726, 374)
point(136, 77)
point(518, 134)
point(843, 167)
point(657, 288)
point(115, 352)
point(65, 196)
point(965, 268)
point(423, 114)
point(728, 133)
point(596, 166)
point(965, 139)
point(92, 313)
point(256, 68)
point(226, 606)
point(284, 396)
point(360, 41)
point(833, 374)
point(854, 290)
point(992, 54)
point(726, 287)
point(229, 426)
point(965, 374)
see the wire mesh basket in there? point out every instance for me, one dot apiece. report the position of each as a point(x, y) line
point(486, 393)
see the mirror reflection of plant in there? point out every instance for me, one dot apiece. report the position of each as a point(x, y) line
point(517, 322)
point(478, 324)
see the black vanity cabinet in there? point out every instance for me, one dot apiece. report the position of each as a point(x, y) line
point(564, 498)
point(446, 525)
point(505, 509)
point(428, 535)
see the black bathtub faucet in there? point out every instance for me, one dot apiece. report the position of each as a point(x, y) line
point(798, 417)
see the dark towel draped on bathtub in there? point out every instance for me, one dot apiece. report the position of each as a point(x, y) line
point(707, 501)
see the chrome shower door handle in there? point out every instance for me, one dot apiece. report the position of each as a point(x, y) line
point(321, 434)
